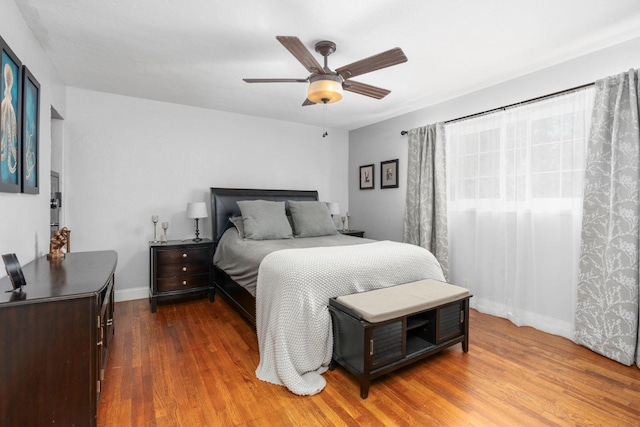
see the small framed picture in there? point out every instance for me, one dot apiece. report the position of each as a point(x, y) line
point(367, 177)
point(14, 271)
point(389, 174)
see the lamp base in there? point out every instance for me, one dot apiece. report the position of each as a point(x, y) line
point(197, 239)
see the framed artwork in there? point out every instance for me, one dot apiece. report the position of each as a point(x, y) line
point(389, 174)
point(14, 271)
point(10, 153)
point(367, 177)
point(30, 132)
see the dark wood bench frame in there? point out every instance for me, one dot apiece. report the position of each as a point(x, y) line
point(369, 350)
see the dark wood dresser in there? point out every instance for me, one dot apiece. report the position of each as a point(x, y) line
point(54, 340)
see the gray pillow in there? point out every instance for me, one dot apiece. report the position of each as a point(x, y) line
point(311, 219)
point(264, 220)
point(237, 222)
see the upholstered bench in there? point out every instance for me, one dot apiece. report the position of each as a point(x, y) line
point(379, 331)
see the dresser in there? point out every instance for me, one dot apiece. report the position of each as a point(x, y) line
point(54, 340)
point(180, 269)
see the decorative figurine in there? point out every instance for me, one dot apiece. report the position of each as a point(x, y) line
point(60, 238)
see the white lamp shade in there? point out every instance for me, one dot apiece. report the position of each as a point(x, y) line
point(334, 208)
point(197, 210)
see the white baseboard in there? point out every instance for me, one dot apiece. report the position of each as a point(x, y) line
point(131, 294)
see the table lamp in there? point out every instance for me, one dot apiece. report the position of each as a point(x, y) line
point(197, 210)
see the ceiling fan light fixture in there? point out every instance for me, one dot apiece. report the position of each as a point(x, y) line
point(326, 86)
point(325, 89)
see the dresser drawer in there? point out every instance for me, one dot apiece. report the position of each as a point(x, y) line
point(182, 269)
point(182, 283)
point(182, 255)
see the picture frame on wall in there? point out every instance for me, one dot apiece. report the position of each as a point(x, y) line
point(10, 112)
point(389, 174)
point(30, 132)
point(367, 177)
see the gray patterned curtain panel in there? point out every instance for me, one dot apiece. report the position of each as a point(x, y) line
point(425, 218)
point(607, 300)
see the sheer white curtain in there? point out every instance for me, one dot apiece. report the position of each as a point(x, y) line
point(515, 204)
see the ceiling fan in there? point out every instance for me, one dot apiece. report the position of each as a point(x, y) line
point(326, 86)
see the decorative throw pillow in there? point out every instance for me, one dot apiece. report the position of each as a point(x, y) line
point(264, 220)
point(311, 219)
point(237, 222)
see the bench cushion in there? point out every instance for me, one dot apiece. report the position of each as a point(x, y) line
point(401, 300)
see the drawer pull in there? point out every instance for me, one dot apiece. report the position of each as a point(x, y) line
point(184, 268)
point(184, 255)
point(184, 283)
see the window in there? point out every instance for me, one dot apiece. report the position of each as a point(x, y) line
point(531, 155)
point(515, 182)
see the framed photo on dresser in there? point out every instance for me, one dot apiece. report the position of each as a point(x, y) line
point(14, 271)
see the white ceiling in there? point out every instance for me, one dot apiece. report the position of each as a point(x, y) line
point(196, 52)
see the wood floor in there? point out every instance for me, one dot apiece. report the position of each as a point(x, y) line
point(193, 364)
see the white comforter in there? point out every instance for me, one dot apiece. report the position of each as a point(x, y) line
point(294, 287)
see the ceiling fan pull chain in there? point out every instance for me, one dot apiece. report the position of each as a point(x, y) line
point(325, 120)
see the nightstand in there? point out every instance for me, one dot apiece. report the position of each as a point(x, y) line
point(180, 269)
point(354, 233)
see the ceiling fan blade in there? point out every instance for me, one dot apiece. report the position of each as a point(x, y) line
point(276, 80)
point(307, 102)
point(382, 60)
point(365, 89)
point(302, 54)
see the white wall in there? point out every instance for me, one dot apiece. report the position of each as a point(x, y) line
point(24, 218)
point(381, 212)
point(129, 158)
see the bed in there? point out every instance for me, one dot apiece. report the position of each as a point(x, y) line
point(294, 283)
point(224, 205)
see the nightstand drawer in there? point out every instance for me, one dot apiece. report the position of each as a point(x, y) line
point(182, 255)
point(182, 283)
point(181, 270)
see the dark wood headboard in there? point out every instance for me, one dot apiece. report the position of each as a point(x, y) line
point(224, 204)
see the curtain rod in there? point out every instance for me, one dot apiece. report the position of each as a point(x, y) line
point(528, 101)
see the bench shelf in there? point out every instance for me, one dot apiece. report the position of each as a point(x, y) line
point(369, 350)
